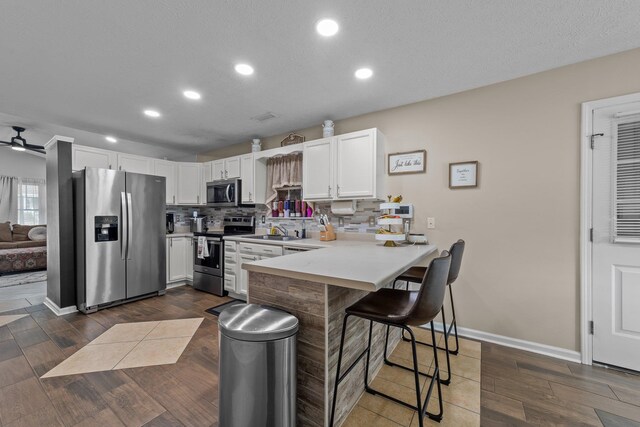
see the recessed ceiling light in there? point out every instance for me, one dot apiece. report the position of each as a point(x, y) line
point(244, 69)
point(152, 113)
point(110, 139)
point(191, 94)
point(363, 73)
point(327, 27)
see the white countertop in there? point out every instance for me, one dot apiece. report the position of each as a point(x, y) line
point(301, 243)
point(352, 264)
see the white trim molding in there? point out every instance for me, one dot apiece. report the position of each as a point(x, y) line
point(57, 138)
point(586, 202)
point(544, 349)
point(57, 310)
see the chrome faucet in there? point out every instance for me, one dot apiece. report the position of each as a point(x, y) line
point(284, 231)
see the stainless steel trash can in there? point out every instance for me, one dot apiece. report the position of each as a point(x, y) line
point(257, 369)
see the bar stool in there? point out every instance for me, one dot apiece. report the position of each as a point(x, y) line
point(401, 309)
point(415, 275)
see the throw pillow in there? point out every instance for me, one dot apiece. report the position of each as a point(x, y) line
point(21, 232)
point(5, 232)
point(38, 233)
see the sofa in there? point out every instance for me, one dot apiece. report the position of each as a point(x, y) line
point(18, 252)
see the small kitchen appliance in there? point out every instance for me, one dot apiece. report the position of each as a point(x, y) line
point(198, 224)
point(171, 223)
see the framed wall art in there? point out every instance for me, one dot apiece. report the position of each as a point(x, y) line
point(407, 162)
point(463, 175)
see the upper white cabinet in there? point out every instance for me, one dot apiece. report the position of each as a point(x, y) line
point(189, 185)
point(356, 169)
point(317, 169)
point(170, 171)
point(217, 169)
point(207, 176)
point(247, 178)
point(135, 164)
point(226, 168)
point(83, 157)
point(349, 166)
point(232, 167)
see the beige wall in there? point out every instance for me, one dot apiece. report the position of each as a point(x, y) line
point(520, 275)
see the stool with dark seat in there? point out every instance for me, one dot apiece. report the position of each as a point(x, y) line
point(401, 309)
point(415, 275)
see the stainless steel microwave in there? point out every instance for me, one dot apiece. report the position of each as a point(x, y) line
point(224, 193)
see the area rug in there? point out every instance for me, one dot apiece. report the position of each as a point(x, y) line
point(218, 308)
point(22, 278)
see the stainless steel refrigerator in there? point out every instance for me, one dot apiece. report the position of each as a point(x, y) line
point(120, 237)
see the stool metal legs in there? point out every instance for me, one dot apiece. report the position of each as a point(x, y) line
point(420, 407)
point(446, 329)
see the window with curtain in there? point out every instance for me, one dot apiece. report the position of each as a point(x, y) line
point(31, 202)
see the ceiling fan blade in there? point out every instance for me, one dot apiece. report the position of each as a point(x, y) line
point(33, 146)
point(6, 142)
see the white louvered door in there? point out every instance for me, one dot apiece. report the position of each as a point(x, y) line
point(616, 236)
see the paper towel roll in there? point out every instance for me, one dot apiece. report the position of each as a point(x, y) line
point(343, 207)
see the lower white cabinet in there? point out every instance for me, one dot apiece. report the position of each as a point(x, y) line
point(248, 252)
point(242, 285)
point(179, 259)
point(230, 266)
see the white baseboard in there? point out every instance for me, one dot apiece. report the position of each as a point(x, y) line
point(57, 310)
point(544, 349)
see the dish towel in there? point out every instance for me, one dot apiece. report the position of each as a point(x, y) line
point(203, 248)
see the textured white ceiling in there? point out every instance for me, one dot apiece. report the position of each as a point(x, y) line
point(94, 65)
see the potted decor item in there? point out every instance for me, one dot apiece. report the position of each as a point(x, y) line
point(327, 128)
point(255, 145)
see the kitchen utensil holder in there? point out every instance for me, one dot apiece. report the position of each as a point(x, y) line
point(330, 234)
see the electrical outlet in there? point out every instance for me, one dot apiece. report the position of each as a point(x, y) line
point(263, 219)
point(431, 223)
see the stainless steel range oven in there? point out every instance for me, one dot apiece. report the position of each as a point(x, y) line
point(208, 273)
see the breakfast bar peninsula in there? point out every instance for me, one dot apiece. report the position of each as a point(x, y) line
point(316, 286)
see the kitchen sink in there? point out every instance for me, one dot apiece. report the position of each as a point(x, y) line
point(277, 237)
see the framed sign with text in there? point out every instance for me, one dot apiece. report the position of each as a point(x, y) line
point(463, 175)
point(408, 162)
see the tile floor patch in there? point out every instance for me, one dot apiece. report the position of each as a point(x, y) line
point(4, 320)
point(461, 398)
point(129, 345)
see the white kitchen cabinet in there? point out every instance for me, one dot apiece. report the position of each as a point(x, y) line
point(317, 169)
point(189, 257)
point(348, 166)
point(135, 164)
point(169, 170)
point(207, 176)
point(247, 177)
point(232, 167)
point(355, 174)
point(83, 157)
point(189, 185)
point(230, 266)
point(177, 266)
point(226, 168)
point(242, 284)
point(218, 169)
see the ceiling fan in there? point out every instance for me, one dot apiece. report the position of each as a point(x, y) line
point(18, 143)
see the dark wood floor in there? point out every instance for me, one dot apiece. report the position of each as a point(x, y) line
point(518, 388)
point(521, 389)
point(185, 393)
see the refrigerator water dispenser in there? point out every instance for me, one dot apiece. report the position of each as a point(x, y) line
point(106, 228)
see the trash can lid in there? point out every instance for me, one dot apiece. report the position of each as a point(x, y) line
point(252, 322)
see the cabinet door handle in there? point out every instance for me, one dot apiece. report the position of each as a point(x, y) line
point(337, 190)
point(170, 243)
point(119, 167)
point(329, 190)
point(226, 174)
point(174, 200)
point(198, 199)
point(249, 195)
point(109, 166)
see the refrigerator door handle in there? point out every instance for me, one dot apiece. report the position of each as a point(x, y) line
point(129, 224)
point(124, 229)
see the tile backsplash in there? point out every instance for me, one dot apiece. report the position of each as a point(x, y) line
point(362, 221)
